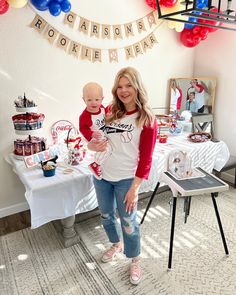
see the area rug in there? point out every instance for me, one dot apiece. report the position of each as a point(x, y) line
point(199, 264)
point(35, 261)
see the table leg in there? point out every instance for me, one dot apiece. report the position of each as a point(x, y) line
point(69, 235)
point(150, 202)
point(172, 233)
point(213, 195)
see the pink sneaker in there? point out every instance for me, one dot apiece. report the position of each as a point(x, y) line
point(96, 169)
point(135, 272)
point(110, 254)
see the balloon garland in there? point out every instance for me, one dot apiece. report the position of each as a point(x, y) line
point(5, 4)
point(55, 7)
point(190, 34)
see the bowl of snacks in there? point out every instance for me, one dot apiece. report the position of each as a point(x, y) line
point(49, 169)
point(199, 136)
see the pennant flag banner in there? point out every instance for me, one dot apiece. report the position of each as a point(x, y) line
point(95, 54)
point(103, 31)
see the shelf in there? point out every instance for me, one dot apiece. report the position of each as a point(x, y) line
point(27, 110)
point(28, 132)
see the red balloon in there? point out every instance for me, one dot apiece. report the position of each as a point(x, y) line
point(152, 3)
point(200, 31)
point(4, 7)
point(167, 3)
point(196, 29)
point(189, 39)
point(211, 22)
point(204, 33)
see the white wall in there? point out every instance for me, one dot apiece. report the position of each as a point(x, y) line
point(216, 57)
point(53, 79)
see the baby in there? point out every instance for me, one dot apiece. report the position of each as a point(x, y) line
point(92, 123)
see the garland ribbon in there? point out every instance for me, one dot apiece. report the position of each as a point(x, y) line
point(108, 31)
point(84, 52)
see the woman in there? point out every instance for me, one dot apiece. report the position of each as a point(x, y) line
point(131, 130)
point(175, 96)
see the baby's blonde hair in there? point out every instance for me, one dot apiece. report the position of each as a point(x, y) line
point(91, 87)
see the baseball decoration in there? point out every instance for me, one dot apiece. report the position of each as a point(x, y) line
point(126, 136)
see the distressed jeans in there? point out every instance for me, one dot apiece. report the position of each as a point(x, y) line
point(110, 196)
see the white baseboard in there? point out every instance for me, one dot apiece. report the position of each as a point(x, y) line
point(13, 209)
point(228, 177)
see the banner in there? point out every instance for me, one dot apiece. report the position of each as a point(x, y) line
point(102, 31)
point(85, 52)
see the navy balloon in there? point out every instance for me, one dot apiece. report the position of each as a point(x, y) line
point(54, 8)
point(190, 26)
point(65, 6)
point(41, 4)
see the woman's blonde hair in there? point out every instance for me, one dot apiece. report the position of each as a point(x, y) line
point(117, 108)
point(173, 84)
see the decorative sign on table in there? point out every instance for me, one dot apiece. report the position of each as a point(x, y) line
point(35, 159)
point(59, 131)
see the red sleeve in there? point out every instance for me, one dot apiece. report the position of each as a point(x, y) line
point(201, 88)
point(107, 109)
point(148, 139)
point(179, 100)
point(85, 124)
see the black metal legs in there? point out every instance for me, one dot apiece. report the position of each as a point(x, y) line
point(187, 203)
point(235, 178)
point(172, 232)
point(150, 202)
point(213, 195)
point(186, 210)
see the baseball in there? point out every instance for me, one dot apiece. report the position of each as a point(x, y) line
point(126, 136)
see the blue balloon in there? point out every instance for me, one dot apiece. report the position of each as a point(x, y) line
point(54, 8)
point(201, 5)
point(201, 1)
point(65, 6)
point(41, 4)
point(189, 26)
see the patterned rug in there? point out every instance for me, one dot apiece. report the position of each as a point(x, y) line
point(35, 262)
point(199, 264)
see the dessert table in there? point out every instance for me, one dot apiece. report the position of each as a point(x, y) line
point(64, 195)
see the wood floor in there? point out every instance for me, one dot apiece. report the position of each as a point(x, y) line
point(21, 220)
point(14, 222)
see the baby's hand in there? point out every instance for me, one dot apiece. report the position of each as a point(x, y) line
point(98, 135)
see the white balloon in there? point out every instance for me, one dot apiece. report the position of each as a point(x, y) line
point(17, 3)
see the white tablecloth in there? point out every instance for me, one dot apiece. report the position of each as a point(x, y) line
point(57, 197)
point(64, 195)
point(207, 155)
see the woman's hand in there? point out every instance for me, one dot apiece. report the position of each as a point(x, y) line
point(131, 198)
point(97, 146)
